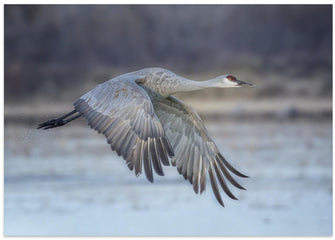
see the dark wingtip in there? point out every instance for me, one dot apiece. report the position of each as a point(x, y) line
point(196, 188)
point(230, 167)
point(240, 187)
point(242, 175)
point(168, 147)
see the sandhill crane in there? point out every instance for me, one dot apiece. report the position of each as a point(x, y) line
point(146, 125)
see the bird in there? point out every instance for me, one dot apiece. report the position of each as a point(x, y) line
point(149, 127)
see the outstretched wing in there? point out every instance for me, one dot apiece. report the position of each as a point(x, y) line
point(122, 111)
point(195, 152)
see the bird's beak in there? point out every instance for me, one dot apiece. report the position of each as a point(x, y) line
point(241, 83)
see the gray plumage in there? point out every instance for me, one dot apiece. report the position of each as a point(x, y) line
point(146, 125)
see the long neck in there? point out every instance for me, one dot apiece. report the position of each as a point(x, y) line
point(187, 85)
point(166, 82)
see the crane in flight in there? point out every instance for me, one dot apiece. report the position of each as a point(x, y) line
point(145, 124)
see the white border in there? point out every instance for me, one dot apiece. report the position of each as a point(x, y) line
point(132, 2)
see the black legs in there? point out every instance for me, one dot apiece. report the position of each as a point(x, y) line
point(59, 121)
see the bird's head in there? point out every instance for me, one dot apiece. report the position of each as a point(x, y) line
point(228, 80)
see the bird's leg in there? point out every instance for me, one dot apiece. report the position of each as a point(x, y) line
point(59, 121)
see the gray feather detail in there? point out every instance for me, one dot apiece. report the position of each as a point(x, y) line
point(190, 165)
point(154, 157)
point(104, 124)
point(176, 139)
point(132, 157)
point(111, 127)
point(162, 153)
point(116, 135)
point(89, 116)
point(203, 176)
point(228, 176)
point(167, 146)
point(128, 144)
point(130, 166)
point(94, 119)
point(99, 122)
point(147, 161)
point(214, 186)
point(194, 150)
point(186, 158)
point(230, 167)
point(196, 187)
point(123, 140)
point(196, 170)
point(223, 182)
point(137, 158)
point(122, 111)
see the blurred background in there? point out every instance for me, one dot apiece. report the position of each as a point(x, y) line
point(279, 133)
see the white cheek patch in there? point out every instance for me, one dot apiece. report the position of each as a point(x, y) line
point(230, 83)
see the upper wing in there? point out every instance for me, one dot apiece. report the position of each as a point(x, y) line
point(122, 111)
point(195, 152)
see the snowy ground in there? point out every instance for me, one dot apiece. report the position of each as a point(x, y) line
point(68, 182)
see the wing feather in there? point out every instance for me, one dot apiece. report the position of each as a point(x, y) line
point(196, 154)
point(122, 111)
point(229, 177)
point(203, 174)
point(162, 153)
point(230, 167)
point(154, 158)
point(147, 161)
point(138, 157)
point(223, 182)
point(215, 185)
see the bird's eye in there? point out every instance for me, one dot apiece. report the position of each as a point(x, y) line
point(231, 78)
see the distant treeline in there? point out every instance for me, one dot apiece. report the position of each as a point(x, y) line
point(55, 46)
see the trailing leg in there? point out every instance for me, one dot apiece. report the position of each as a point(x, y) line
point(59, 121)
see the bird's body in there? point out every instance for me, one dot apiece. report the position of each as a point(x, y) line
point(145, 125)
